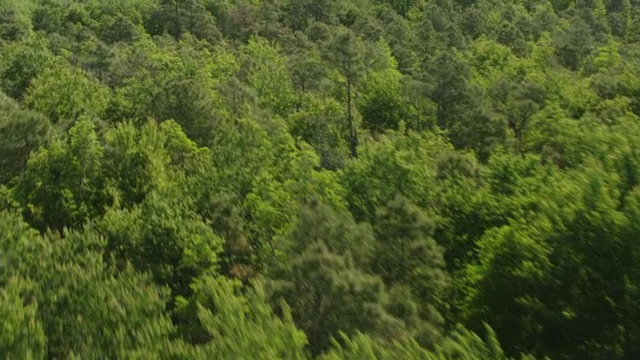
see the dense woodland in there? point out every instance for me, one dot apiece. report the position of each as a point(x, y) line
point(320, 179)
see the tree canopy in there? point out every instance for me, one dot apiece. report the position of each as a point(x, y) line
point(301, 179)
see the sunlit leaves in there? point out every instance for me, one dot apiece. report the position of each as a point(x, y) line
point(64, 94)
point(64, 185)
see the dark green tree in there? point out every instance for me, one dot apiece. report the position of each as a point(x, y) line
point(344, 53)
point(329, 295)
point(178, 17)
point(406, 255)
point(21, 132)
point(22, 63)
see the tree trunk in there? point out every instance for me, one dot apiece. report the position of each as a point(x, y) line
point(353, 133)
point(177, 21)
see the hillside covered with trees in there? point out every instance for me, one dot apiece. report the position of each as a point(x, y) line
point(320, 179)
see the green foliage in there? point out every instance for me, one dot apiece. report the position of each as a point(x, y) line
point(395, 164)
point(319, 123)
point(244, 325)
point(64, 94)
point(178, 17)
point(21, 336)
point(15, 21)
point(327, 294)
point(361, 346)
point(172, 170)
point(64, 185)
point(188, 103)
point(21, 63)
point(164, 236)
point(344, 54)
point(462, 344)
point(21, 132)
point(337, 230)
point(407, 256)
point(129, 322)
point(72, 301)
point(381, 103)
point(269, 76)
point(136, 160)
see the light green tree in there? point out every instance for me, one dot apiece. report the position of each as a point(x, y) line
point(64, 185)
point(63, 94)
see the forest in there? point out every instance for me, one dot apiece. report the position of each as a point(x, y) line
point(320, 179)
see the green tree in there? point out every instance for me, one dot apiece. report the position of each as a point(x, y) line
point(269, 76)
point(450, 89)
point(236, 20)
point(64, 94)
point(328, 294)
point(629, 314)
point(15, 25)
point(344, 53)
point(301, 13)
point(594, 13)
point(178, 17)
point(461, 343)
point(191, 103)
point(512, 256)
point(165, 237)
point(406, 255)
point(319, 122)
point(22, 63)
point(240, 323)
point(337, 230)
point(381, 99)
point(21, 334)
point(135, 161)
point(519, 102)
point(361, 346)
point(64, 185)
point(72, 300)
point(572, 41)
point(404, 164)
point(21, 132)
